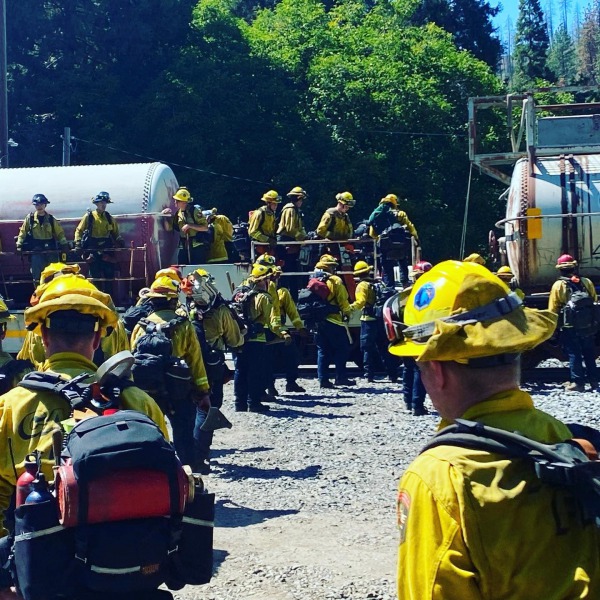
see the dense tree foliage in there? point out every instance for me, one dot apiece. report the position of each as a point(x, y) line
point(252, 95)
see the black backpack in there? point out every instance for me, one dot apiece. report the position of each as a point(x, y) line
point(240, 305)
point(382, 294)
point(580, 312)
point(134, 314)
point(86, 237)
point(395, 240)
point(564, 464)
point(166, 378)
point(241, 239)
point(108, 554)
point(9, 370)
point(313, 307)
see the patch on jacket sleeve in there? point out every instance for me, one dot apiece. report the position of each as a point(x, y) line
point(402, 508)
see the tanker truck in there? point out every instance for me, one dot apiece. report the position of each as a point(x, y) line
point(553, 198)
point(139, 192)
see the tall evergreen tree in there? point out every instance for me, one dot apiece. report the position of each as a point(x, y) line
point(562, 58)
point(469, 21)
point(588, 48)
point(531, 45)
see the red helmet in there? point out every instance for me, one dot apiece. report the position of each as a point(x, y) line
point(566, 261)
point(422, 267)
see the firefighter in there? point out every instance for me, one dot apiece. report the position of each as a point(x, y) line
point(373, 343)
point(251, 373)
point(11, 371)
point(217, 331)
point(163, 296)
point(96, 236)
point(221, 234)
point(291, 229)
point(263, 223)
point(333, 337)
point(476, 524)
point(41, 234)
point(475, 258)
point(289, 354)
point(413, 389)
point(192, 226)
point(335, 223)
point(579, 343)
point(509, 279)
point(395, 248)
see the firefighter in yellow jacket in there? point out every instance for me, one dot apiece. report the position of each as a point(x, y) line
point(181, 411)
point(291, 229)
point(41, 234)
point(475, 524)
point(71, 316)
point(96, 236)
point(333, 337)
point(335, 223)
point(221, 234)
point(263, 222)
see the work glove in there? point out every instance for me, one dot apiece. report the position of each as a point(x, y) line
point(287, 338)
point(202, 400)
point(272, 242)
point(19, 249)
point(303, 333)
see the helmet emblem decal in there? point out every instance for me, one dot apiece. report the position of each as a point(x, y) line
point(424, 296)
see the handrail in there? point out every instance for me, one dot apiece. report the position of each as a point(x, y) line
point(502, 222)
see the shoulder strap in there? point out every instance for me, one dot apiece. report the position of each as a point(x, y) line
point(90, 222)
point(31, 220)
point(108, 217)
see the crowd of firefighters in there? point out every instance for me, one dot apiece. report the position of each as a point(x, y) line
point(272, 338)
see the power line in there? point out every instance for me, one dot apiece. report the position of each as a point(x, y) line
point(415, 133)
point(169, 163)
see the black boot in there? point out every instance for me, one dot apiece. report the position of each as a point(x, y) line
point(325, 384)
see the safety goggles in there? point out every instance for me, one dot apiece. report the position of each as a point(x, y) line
point(393, 325)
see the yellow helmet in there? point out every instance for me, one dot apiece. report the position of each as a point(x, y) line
point(362, 268)
point(266, 259)
point(505, 273)
point(183, 195)
point(346, 198)
point(173, 273)
point(327, 262)
point(72, 293)
point(475, 258)
point(390, 199)
point(461, 311)
point(54, 269)
point(260, 271)
point(5, 315)
point(297, 193)
point(163, 287)
point(271, 196)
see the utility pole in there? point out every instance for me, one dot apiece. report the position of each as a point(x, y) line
point(66, 146)
point(3, 90)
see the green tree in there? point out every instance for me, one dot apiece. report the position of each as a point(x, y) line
point(588, 47)
point(469, 21)
point(562, 58)
point(531, 45)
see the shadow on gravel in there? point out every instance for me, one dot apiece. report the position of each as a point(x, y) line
point(230, 514)
point(248, 472)
point(219, 557)
point(304, 397)
point(226, 452)
point(300, 402)
point(283, 411)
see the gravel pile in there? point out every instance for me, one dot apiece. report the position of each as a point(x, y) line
point(306, 493)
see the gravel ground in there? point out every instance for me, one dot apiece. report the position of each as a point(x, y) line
point(306, 494)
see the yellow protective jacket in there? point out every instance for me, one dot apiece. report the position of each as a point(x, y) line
point(33, 349)
point(335, 225)
point(185, 345)
point(221, 329)
point(365, 297)
point(50, 229)
point(475, 525)
point(560, 293)
point(192, 215)
point(262, 225)
point(27, 418)
point(116, 341)
point(288, 308)
point(290, 223)
point(338, 296)
point(101, 227)
point(260, 311)
point(223, 232)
